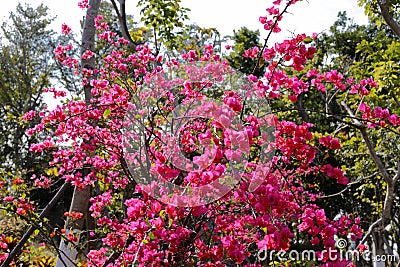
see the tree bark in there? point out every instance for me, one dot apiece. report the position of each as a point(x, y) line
point(377, 249)
point(80, 199)
point(384, 6)
point(121, 14)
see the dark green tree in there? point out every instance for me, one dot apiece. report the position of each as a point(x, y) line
point(244, 39)
point(26, 68)
point(164, 18)
point(363, 51)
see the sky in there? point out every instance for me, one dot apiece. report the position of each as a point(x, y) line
point(225, 15)
point(308, 16)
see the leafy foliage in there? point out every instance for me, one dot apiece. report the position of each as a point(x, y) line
point(163, 17)
point(365, 51)
point(244, 39)
point(331, 135)
point(25, 71)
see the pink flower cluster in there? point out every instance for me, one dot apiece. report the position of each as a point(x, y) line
point(61, 54)
point(330, 142)
point(378, 116)
point(163, 235)
point(65, 29)
point(84, 4)
point(87, 146)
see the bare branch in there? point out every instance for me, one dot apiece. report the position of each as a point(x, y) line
point(384, 6)
point(396, 177)
point(356, 122)
point(121, 14)
point(349, 185)
point(370, 229)
point(387, 205)
point(30, 231)
point(382, 169)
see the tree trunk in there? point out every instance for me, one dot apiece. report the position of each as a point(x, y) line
point(378, 251)
point(80, 199)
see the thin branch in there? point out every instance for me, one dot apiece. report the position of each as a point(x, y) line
point(370, 229)
point(384, 6)
point(345, 189)
point(269, 35)
point(387, 205)
point(30, 231)
point(382, 169)
point(388, 202)
point(356, 122)
point(121, 14)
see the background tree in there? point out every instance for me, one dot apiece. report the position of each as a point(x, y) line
point(164, 19)
point(26, 69)
point(380, 11)
point(315, 109)
point(195, 37)
point(362, 51)
point(244, 39)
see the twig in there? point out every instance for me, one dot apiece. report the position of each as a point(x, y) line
point(269, 35)
point(370, 229)
point(121, 14)
point(340, 192)
point(384, 6)
point(30, 231)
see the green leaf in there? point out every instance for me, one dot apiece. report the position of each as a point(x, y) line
point(307, 40)
point(106, 113)
point(162, 214)
point(151, 236)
